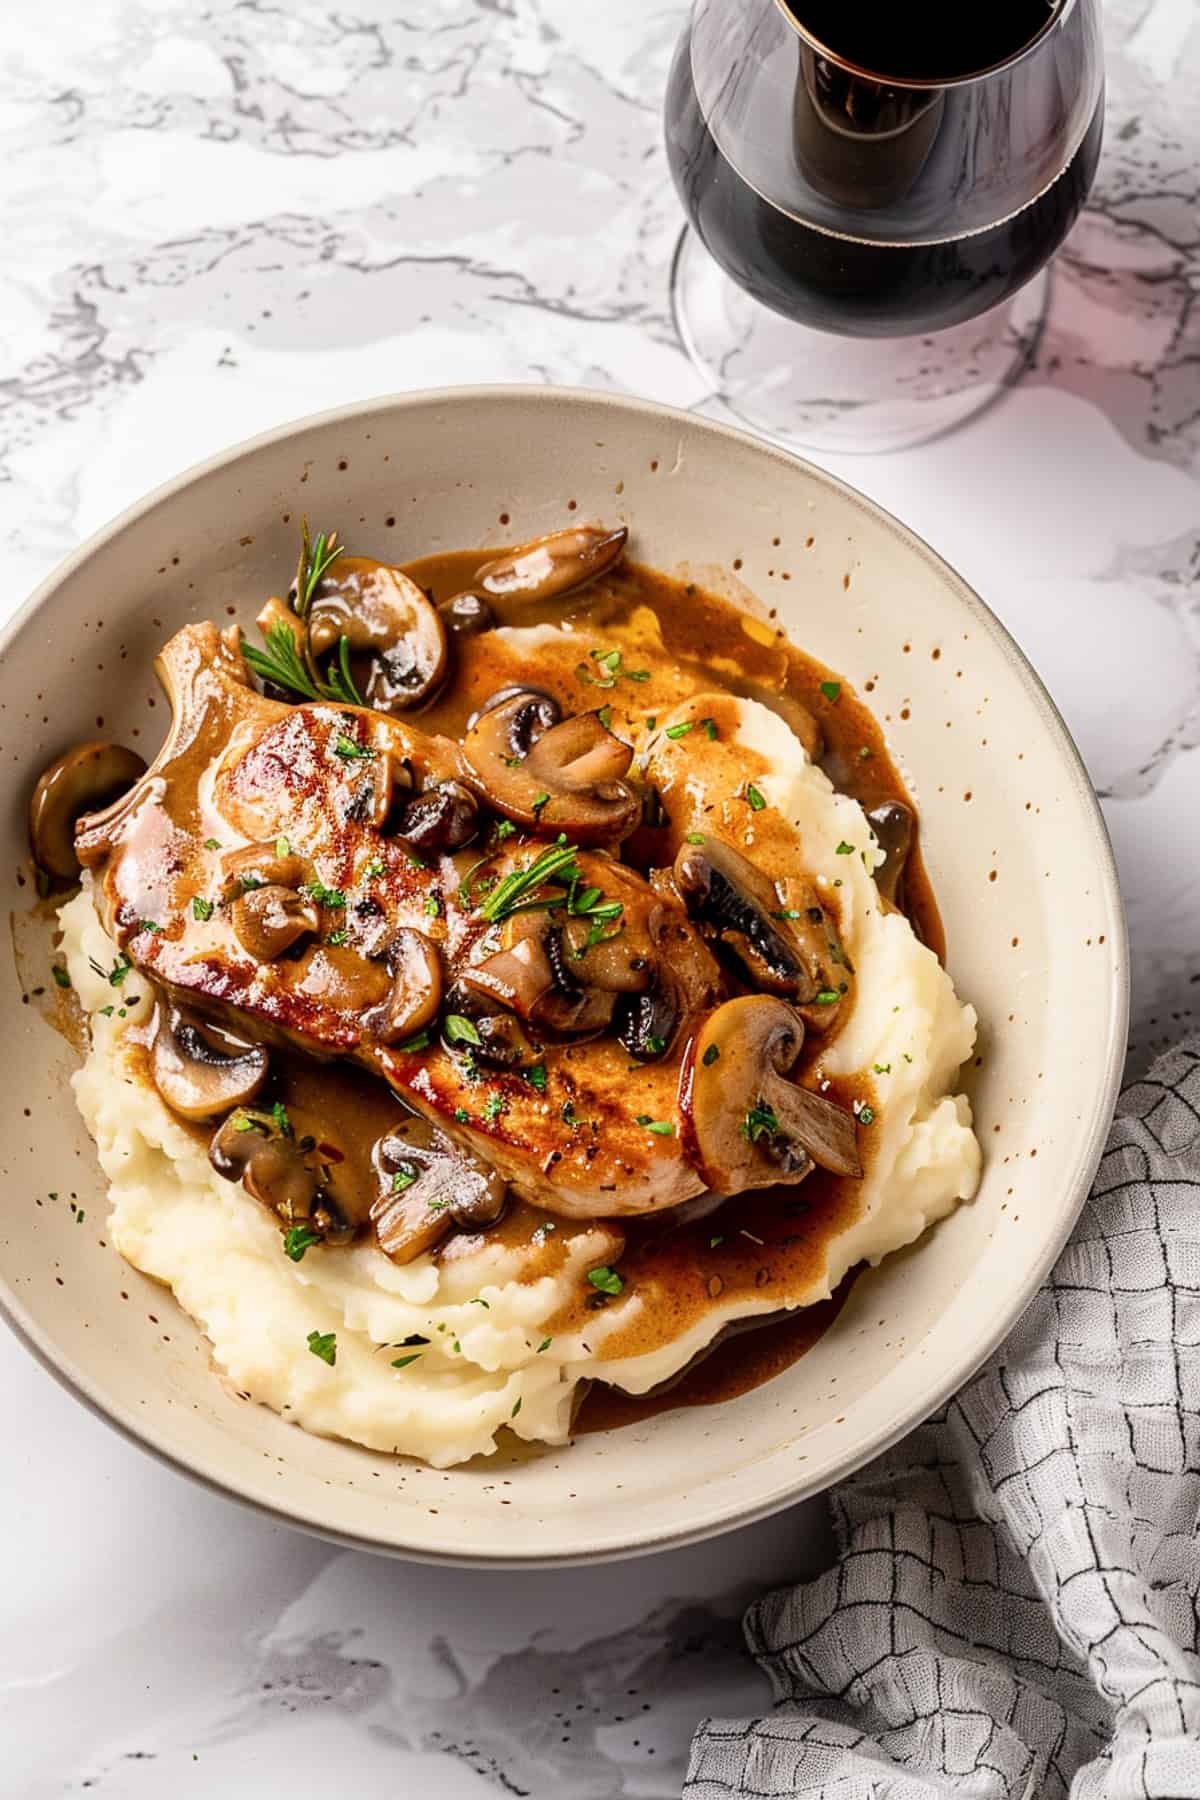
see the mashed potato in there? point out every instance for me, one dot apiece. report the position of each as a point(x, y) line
point(487, 1363)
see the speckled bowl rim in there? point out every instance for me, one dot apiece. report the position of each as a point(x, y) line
point(77, 1381)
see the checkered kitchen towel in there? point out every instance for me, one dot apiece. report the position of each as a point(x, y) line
point(1014, 1613)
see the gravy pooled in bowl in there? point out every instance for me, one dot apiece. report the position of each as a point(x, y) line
point(537, 985)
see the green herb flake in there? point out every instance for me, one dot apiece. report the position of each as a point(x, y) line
point(651, 721)
point(831, 690)
point(679, 731)
point(296, 1241)
point(540, 800)
point(827, 997)
point(696, 837)
point(149, 925)
point(107, 1011)
point(324, 1345)
point(477, 1301)
point(61, 977)
point(325, 896)
point(340, 936)
point(755, 798)
point(494, 1107)
point(403, 1177)
point(202, 908)
point(420, 1040)
point(788, 912)
point(280, 1120)
point(349, 750)
point(637, 674)
point(402, 1362)
point(715, 1242)
point(606, 1280)
point(711, 1055)
point(866, 1115)
point(458, 1029)
point(504, 828)
point(660, 1127)
point(605, 717)
point(845, 849)
point(883, 1068)
point(212, 843)
point(709, 728)
point(516, 1408)
point(761, 1121)
point(282, 847)
point(655, 1046)
point(433, 907)
point(461, 1114)
point(544, 1345)
point(120, 969)
point(536, 1077)
point(374, 869)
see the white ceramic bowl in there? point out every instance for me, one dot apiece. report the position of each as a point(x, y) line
point(1012, 834)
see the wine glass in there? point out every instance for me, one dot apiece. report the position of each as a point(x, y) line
point(874, 192)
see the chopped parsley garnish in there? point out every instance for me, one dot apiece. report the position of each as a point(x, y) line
point(479, 1301)
point(711, 1055)
point(299, 1239)
point(831, 690)
point(419, 1041)
point(461, 1114)
point(681, 730)
point(755, 798)
point(350, 750)
point(715, 1242)
point(883, 1068)
point(61, 978)
point(504, 828)
point(536, 1077)
point(540, 800)
point(606, 1280)
point(866, 1115)
point(827, 997)
point(403, 1177)
point(337, 937)
point(651, 721)
point(324, 1345)
point(788, 912)
point(605, 717)
point(280, 1120)
point(202, 908)
point(325, 896)
point(696, 837)
point(494, 1107)
point(655, 1046)
point(212, 843)
point(544, 1345)
point(374, 868)
point(461, 1030)
point(120, 969)
point(569, 1115)
point(282, 847)
point(845, 849)
point(709, 728)
point(107, 1011)
point(516, 1408)
point(660, 1127)
point(433, 907)
point(402, 1362)
point(761, 1121)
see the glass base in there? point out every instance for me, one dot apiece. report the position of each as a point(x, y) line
point(815, 391)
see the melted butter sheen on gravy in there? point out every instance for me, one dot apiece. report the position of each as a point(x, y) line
point(678, 1265)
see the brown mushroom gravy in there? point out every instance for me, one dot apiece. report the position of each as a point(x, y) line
point(517, 751)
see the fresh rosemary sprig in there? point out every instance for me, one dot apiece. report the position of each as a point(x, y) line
point(287, 661)
point(556, 864)
point(314, 561)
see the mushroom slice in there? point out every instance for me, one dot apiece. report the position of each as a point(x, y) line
point(199, 1068)
point(570, 780)
point(646, 1023)
point(272, 864)
point(382, 611)
point(427, 1183)
point(415, 966)
point(523, 724)
point(503, 1040)
point(465, 614)
point(745, 1125)
point(797, 957)
point(267, 921)
point(549, 567)
point(443, 817)
point(533, 978)
point(894, 826)
point(84, 780)
point(281, 1172)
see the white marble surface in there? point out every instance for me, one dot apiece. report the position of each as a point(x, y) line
point(216, 217)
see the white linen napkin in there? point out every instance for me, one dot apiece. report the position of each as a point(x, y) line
point(1014, 1611)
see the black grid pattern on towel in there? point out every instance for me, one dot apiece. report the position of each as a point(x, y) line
point(1015, 1612)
